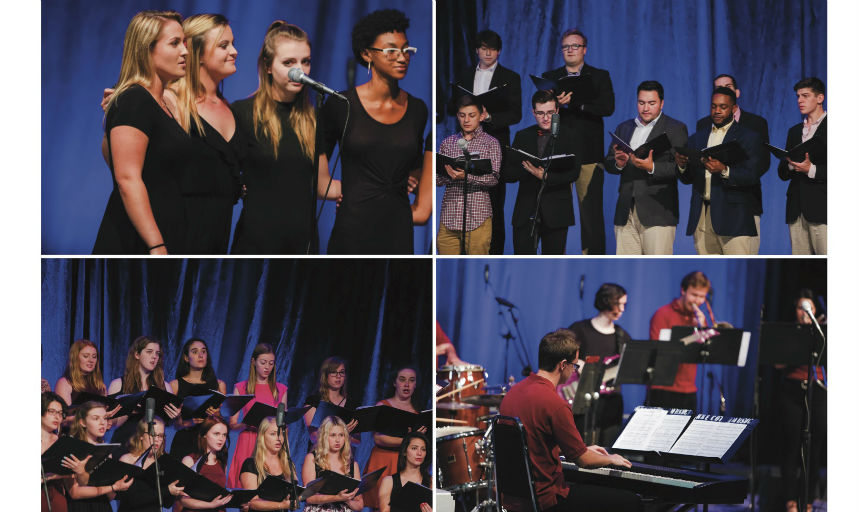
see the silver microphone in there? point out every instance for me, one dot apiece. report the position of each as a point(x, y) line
point(554, 125)
point(299, 76)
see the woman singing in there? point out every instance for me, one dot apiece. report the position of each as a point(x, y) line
point(276, 128)
point(386, 448)
point(269, 459)
point(83, 373)
point(332, 452)
point(261, 383)
point(141, 496)
point(194, 376)
point(412, 466)
point(53, 412)
point(146, 148)
point(383, 143)
point(212, 444)
point(333, 391)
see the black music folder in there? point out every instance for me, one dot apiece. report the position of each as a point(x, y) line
point(196, 485)
point(581, 87)
point(326, 409)
point(479, 167)
point(790, 343)
point(514, 156)
point(135, 402)
point(494, 99)
point(65, 446)
point(659, 144)
point(275, 488)
point(196, 406)
point(111, 470)
point(728, 152)
point(83, 397)
point(333, 483)
point(388, 420)
point(411, 496)
point(814, 146)
point(260, 411)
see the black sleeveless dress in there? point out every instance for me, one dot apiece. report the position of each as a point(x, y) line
point(185, 440)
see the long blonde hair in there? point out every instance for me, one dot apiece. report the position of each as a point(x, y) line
point(260, 452)
point(260, 349)
point(135, 442)
point(322, 448)
point(189, 88)
point(267, 125)
point(93, 382)
point(131, 382)
point(140, 38)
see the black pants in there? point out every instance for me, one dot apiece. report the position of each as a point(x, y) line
point(593, 231)
point(497, 202)
point(791, 402)
point(672, 400)
point(594, 498)
point(552, 241)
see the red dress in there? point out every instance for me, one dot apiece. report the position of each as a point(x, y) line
point(214, 472)
point(248, 437)
point(380, 458)
point(57, 494)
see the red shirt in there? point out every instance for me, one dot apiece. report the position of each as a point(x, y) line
point(667, 317)
point(550, 432)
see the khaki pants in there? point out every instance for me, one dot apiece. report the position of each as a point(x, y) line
point(707, 241)
point(589, 191)
point(477, 240)
point(756, 240)
point(807, 237)
point(633, 238)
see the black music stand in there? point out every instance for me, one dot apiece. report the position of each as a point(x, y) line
point(649, 362)
point(728, 347)
point(585, 400)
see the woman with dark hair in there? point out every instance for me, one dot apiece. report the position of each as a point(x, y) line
point(386, 448)
point(600, 336)
point(332, 390)
point(194, 376)
point(141, 496)
point(413, 465)
point(211, 462)
point(383, 143)
point(792, 401)
point(262, 384)
point(53, 412)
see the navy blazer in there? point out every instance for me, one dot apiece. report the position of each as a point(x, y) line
point(733, 199)
point(557, 200)
point(512, 110)
point(656, 194)
point(805, 195)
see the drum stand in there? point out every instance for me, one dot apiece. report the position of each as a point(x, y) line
point(486, 446)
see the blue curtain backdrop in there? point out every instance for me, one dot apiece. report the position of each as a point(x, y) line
point(78, 64)
point(374, 313)
point(767, 45)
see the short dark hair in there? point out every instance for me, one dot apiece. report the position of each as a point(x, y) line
point(489, 39)
point(811, 82)
point(725, 91)
point(730, 77)
point(651, 85)
point(50, 396)
point(555, 346)
point(696, 279)
point(467, 100)
point(368, 28)
point(804, 293)
point(608, 295)
point(575, 32)
point(543, 97)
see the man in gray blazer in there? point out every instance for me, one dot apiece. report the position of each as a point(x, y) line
point(646, 213)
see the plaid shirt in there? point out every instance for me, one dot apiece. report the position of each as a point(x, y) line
point(479, 197)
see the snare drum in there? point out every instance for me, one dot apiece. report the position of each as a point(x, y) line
point(460, 465)
point(458, 378)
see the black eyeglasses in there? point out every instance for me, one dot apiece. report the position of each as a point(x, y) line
point(571, 47)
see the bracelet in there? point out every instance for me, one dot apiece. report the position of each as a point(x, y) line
point(156, 246)
point(111, 488)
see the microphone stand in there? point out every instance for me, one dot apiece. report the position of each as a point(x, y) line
point(314, 242)
point(535, 217)
point(293, 494)
point(806, 429)
point(157, 471)
point(520, 348)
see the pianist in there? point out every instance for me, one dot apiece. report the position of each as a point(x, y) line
point(550, 432)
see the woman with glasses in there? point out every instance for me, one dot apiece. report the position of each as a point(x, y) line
point(143, 449)
point(53, 412)
point(332, 390)
point(382, 143)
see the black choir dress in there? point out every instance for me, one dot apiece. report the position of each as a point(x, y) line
point(375, 216)
point(397, 488)
point(185, 440)
point(279, 200)
point(168, 154)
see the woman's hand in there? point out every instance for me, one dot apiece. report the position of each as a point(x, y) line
point(171, 410)
point(351, 425)
point(213, 411)
point(346, 496)
point(106, 98)
point(219, 501)
point(122, 484)
point(174, 489)
point(426, 507)
point(78, 466)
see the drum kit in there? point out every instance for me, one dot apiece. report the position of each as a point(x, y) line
point(464, 452)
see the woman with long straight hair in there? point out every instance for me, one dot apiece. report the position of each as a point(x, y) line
point(211, 462)
point(269, 459)
point(332, 452)
point(413, 465)
point(83, 372)
point(263, 385)
point(332, 390)
point(276, 127)
point(144, 145)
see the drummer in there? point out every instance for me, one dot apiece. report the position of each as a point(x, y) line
point(600, 336)
point(444, 347)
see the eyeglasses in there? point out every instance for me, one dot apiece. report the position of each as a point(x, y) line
point(571, 47)
point(538, 113)
point(393, 53)
point(55, 412)
point(157, 436)
point(576, 366)
point(341, 373)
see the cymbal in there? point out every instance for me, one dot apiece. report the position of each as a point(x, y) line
point(454, 406)
point(484, 400)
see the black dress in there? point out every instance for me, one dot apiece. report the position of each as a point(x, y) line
point(142, 497)
point(279, 200)
point(168, 154)
point(375, 216)
point(210, 187)
point(250, 467)
point(397, 487)
point(185, 440)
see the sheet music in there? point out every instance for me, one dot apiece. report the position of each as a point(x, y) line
point(652, 429)
point(705, 438)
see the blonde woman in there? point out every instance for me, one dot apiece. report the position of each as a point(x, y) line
point(333, 453)
point(145, 147)
point(276, 127)
point(141, 497)
point(83, 372)
point(262, 384)
point(209, 186)
point(269, 459)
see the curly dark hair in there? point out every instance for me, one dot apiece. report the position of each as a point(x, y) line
point(368, 28)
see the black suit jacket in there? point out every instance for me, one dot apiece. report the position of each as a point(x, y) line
point(586, 120)
point(557, 200)
point(804, 195)
point(511, 112)
point(656, 194)
point(757, 124)
point(732, 199)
